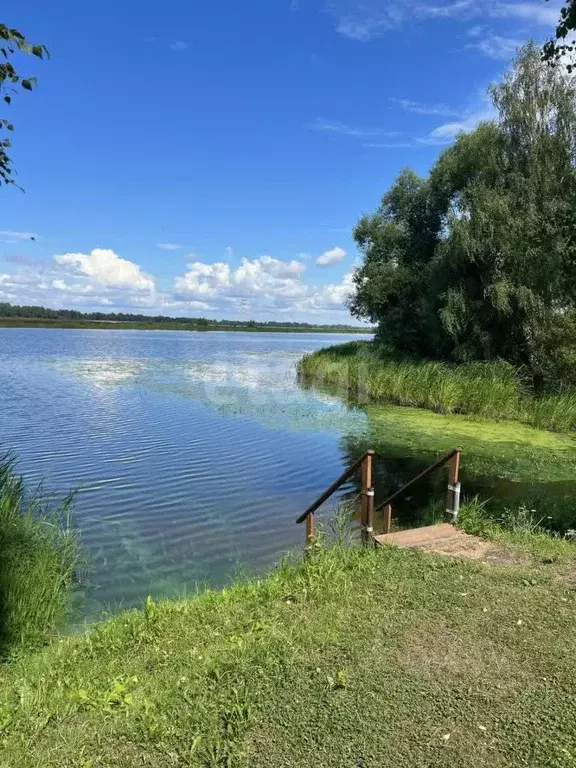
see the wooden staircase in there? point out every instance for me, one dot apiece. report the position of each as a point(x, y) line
point(444, 538)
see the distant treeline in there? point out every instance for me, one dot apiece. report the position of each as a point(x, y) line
point(43, 313)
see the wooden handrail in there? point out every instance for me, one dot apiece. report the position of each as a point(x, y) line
point(334, 487)
point(437, 464)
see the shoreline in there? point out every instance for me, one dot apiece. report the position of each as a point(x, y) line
point(136, 326)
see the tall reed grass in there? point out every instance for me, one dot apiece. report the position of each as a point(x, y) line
point(38, 562)
point(494, 390)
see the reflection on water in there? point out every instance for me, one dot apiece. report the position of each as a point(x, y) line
point(192, 453)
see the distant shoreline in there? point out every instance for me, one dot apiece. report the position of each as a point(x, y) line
point(23, 322)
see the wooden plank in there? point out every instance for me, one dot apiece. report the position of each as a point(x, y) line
point(444, 539)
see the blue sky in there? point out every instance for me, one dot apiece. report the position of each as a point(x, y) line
point(211, 158)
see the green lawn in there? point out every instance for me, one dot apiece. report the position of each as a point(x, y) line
point(355, 658)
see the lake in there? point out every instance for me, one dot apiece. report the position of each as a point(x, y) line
point(193, 453)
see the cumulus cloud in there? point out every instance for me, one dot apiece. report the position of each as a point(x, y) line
point(169, 246)
point(265, 287)
point(333, 256)
point(261, 276)
point(105, 267)
point(263, 284)
point(78, 288)
point(328, 297)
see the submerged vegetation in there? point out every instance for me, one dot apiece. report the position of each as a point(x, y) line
point(38, 562)
point(353, 657)
point(492, 390)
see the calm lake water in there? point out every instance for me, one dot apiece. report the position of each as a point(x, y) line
point(192, 453)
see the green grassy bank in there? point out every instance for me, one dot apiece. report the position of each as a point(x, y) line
point(38, 561)
point(353, 658)
point(489, 390)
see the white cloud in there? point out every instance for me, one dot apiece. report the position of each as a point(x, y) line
point(229, 251)
point(347, 130)
point(333, 256)
point(373, 18)
point(447, 11)
point(179, 45)
point(476, 31)
point(447, 132)
point(496, 47)
point(363, 30)
point(539, 13)
point(264, 276)
point(19, 235)
point(426, 109)
point(169, 246)
point(370, 19)
point(106, 268)
point(262, 285)
point(328, 297)
point(62, 285)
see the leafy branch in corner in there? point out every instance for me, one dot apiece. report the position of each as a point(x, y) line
point(559, 46)
point(11, 42)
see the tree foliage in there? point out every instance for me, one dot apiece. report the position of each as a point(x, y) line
point(478, 261)
point(561, 45)
point(11, 42)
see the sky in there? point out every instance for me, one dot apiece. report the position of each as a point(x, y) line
point(211, 158)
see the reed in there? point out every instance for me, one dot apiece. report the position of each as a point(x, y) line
point(38, 562)
point(493, 390)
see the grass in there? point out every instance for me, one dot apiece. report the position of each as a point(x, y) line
point(520, 527)
point(489, 390)
point(38, 560)
point(354, 657)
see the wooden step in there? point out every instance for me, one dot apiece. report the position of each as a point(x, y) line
point(443, 538)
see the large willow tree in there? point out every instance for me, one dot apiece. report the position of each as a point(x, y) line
point(478, 261)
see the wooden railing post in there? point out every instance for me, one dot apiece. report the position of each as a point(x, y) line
point(310, 530)
point(453, 495)
point(367, 500)
point(387, 518)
